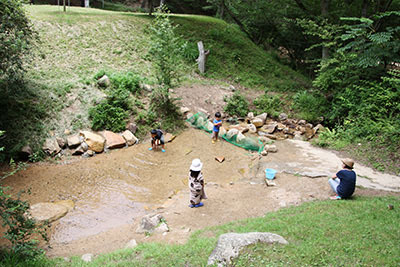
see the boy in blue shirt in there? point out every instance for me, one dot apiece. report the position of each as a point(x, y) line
point(217, 124)
point(343, 183)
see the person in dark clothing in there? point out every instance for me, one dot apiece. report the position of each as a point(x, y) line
point(343, 183)
point(157, 139)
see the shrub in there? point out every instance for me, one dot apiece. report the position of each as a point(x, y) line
point(309, 106)
point(109, 117)
point(270, 104)
point(237, 105)
point(128, 81)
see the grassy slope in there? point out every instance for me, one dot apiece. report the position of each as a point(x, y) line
point(358, 232)
point(77, 44)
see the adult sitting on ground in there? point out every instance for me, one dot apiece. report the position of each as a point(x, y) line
point(157, 139)
point(343, 183)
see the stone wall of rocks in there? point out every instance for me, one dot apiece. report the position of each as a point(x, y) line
point(88, 143)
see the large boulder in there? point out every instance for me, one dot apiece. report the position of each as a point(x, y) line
point(94, 141)
point(113, 140)
point(51, 146)
point(129, 138)
point(149, 223)
point(230, 244)
point(73, 141)
point(47, 211)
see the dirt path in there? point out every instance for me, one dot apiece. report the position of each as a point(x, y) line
point(113, 191)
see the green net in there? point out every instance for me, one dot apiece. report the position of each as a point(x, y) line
point(200, 121)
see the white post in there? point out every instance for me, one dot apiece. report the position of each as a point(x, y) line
point(201, 60)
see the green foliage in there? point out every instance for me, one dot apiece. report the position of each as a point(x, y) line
point(164, 107)
point(270, 104)
point(128, 81)
point(372, 47)
point(16, 38)
point(109, 117)
point(19, 226)
point(236, 105)
point(309, 106)
point(165, 51)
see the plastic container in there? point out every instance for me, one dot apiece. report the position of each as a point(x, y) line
point(270, 173)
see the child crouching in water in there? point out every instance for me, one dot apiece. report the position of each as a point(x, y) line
point(196, 184)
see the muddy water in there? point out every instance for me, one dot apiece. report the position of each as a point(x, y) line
point(112, 190)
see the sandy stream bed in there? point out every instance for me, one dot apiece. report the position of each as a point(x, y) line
point(113, 191)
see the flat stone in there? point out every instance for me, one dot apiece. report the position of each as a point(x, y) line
point(149, 223)
point(68, 203)
point(73, 141)
point(95, 141)
point(270, 128)
point(131, 244)
point(113, 140)
point(271, 148)
point(129, 138)
point(47, 211)
point(162, 228)
point(87, 257)
point(230, 244)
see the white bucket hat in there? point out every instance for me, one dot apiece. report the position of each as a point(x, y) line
point(196, 165)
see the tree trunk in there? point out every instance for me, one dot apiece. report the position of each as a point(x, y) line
point(364, 9)
point(151, 7)
point(201, 60)
point(324, 13)
point(65, 9)
point(238, 22)
point(162, 2)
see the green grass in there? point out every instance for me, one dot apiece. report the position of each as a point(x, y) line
point(76, 45)
point(357, 232)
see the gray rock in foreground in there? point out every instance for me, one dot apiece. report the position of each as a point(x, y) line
point(230, 244)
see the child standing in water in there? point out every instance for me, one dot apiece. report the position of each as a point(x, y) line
point(196, 184)
point(217, 124)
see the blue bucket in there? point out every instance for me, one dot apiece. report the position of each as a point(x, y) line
point(270, 173)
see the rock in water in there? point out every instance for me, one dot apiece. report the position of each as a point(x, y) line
point(230, 244)
point(95, 141)
point(47, 211)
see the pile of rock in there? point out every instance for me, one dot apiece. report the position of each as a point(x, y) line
point(269, 129)
point(88, 143)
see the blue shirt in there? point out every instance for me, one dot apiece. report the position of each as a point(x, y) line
point(347, 183)
point(216, 128)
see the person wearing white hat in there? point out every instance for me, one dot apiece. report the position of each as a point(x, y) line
point(196, 184)
point(343, 183)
